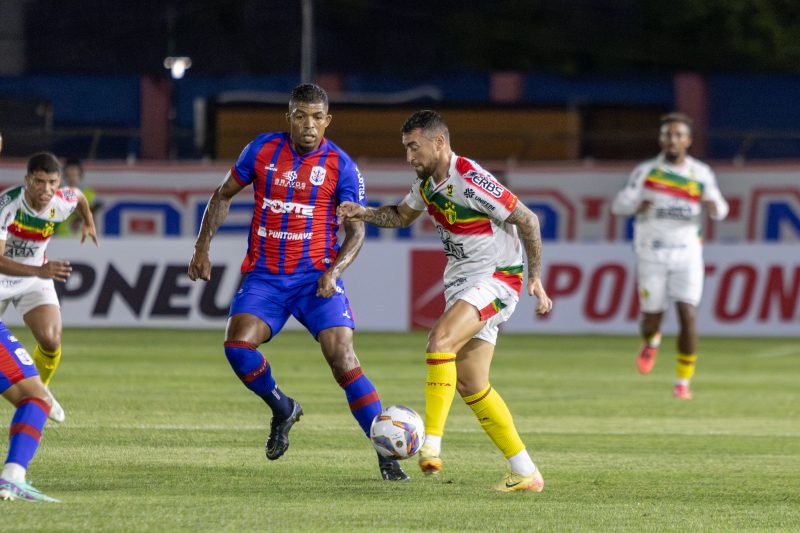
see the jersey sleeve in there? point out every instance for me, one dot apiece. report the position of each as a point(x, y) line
point(483, 193)
point(66, 201)
point(627, 201)
point(414, 197)
point(350, 187)
point(242, 170)
point(8, 208)
point(711, 193)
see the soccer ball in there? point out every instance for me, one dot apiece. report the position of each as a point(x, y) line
point(397, 432)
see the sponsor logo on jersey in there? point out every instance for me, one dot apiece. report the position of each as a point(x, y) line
point(293, 184)
point(19, 248)
point(361, 189)
point(285, 235)
point(4, 200)
point(278, 206)
point(317, 176)
point(470, 194)
point(271, 168)
point(451, 248)
point(485, 182)
point(450, 190)
point(23, 356)
point(290, 175)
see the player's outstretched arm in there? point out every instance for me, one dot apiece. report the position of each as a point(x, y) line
point(88, 228)
point(215, 214)
point(353, 241)
point(529, 233)
point(386, 216)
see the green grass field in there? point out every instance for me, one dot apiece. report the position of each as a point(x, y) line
point(160, 436)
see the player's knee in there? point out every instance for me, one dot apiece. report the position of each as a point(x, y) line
point(51, 341)
point(236, 351)
point(467, 386)
point(440, 340)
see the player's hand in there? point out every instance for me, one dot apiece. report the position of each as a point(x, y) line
point(350, 211)
point(535, 289)
point(200, 266)
point(644, 206)
point(89, 230)
point(57, 270)
point(326, 285)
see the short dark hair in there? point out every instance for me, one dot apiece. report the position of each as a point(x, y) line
point(44, 161)
point(308, 93)
point(74, 162)
point(430, 122)
point(682, 118)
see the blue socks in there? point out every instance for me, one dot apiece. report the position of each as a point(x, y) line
point(362, 397)
point(256, 374)
point(26, 430)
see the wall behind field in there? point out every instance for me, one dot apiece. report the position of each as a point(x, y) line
point(149, 215)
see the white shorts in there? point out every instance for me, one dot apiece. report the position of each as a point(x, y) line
point(39, 292)
point(493, 299)
point(660, 283)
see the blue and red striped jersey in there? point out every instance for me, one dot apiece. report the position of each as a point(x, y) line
point(294, 226)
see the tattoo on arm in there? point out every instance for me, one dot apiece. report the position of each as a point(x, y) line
point(529, 233)
point(385, 216)
point(216, 212)
point(353, 241)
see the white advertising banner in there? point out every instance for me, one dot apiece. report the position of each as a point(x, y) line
point(751, 289)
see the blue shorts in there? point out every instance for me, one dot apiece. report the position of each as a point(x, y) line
point(16, 363)
point(272, 298)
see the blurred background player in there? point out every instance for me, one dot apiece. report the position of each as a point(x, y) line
point(480, 223)
point(73, 177)
point(294, 262)
point(20, 384)
point(667, 194)
point(29, 215)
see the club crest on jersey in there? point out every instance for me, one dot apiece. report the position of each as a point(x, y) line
point(317, 176)
point(450, 213)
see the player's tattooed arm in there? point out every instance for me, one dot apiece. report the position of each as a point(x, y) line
point(216, 211)
point(351, 245)
point(528, 227)
point(386, 216)
point(529, 233)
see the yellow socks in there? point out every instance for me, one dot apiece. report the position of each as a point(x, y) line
point(496, 421)
point(440, 386)
point(46, 362)
point(684, 370)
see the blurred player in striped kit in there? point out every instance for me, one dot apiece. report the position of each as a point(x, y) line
point(668, 195)
point(293, 262)
point(480, 223)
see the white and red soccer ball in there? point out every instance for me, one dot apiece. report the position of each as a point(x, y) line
point(397, 432)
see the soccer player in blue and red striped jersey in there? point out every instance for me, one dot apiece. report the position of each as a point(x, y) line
point(20, 384)
point(294, 261)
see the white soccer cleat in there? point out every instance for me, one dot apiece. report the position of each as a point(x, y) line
point(56, 411)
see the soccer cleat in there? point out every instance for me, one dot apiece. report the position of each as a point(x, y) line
point(516, 483)
point(391, 470)
point(429, 461)
point(278, 440)
point(681, 392)
point(56, 411)
point(22, 490)
point(646, 359)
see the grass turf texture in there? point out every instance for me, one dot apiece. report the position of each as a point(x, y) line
point(160, 436)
